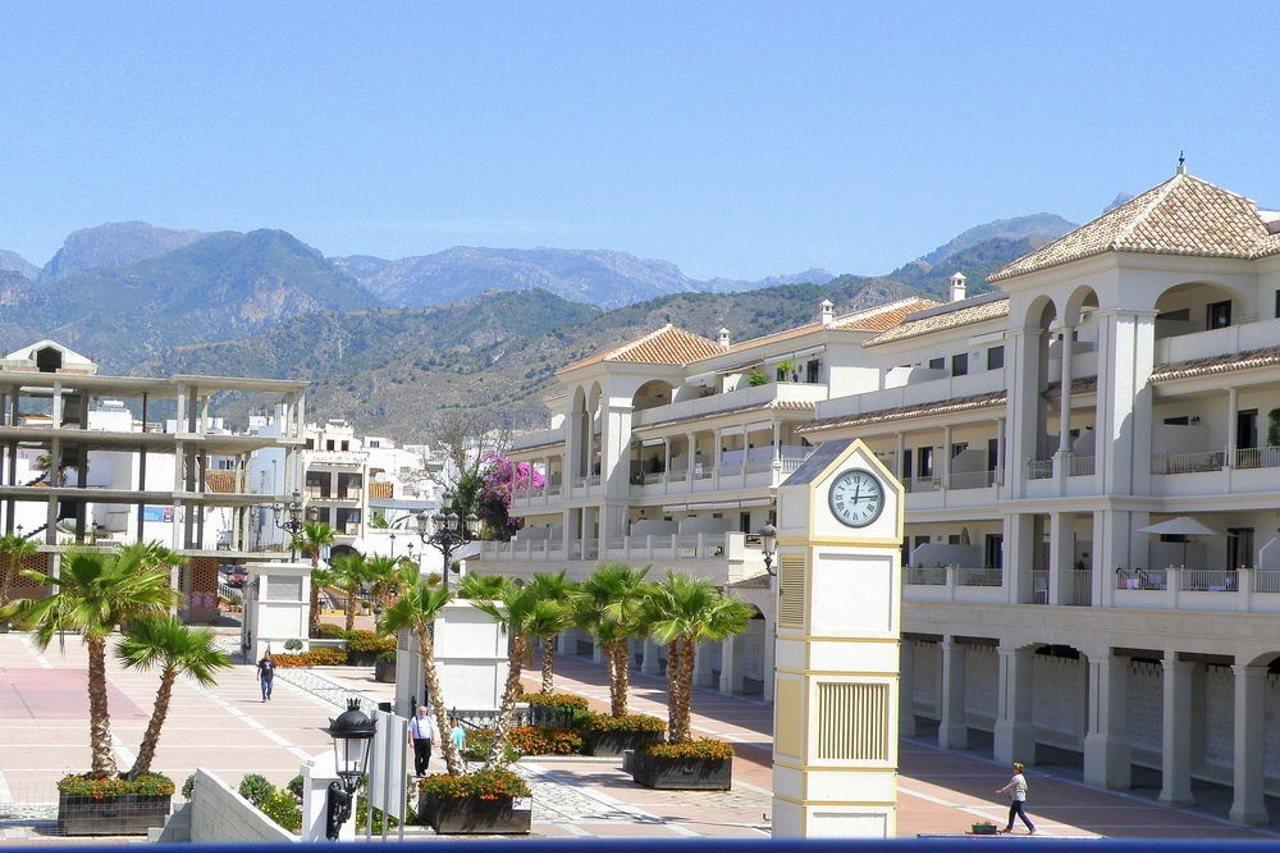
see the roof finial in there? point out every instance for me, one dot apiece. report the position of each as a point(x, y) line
point(1182, 162)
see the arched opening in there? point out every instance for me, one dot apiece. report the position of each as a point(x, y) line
point(1040, 319)
point(337, 551)
point(651, 394)
point(1198, 307)
point(48, 359)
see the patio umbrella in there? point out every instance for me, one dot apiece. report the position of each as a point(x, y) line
point(1183, 525)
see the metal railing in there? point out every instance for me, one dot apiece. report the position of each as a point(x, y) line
point(1209, 580)
point(1188, 463)
point(1039, 469)
point(992, 576)
point(1266, 581)
point(1040, 586)
point(926, 575)
point(1258, 457)
point(1081, 587)
point(1144, 579)
point(971, 480)
point(1080, 466)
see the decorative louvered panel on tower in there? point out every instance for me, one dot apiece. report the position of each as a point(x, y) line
point(839, 586)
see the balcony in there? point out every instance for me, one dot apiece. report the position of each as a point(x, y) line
point(782, 392)
point(321, 494)
point(537, 438)
point(1194, 588)
point(913, 393)
point(1080, 593)
point(1215, 472)
point(1217, 342)
point(961, 584)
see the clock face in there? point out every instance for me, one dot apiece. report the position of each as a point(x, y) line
point(856, 497)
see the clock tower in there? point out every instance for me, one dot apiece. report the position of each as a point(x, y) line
point(835, 753)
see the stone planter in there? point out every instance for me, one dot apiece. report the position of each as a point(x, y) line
point(474, 816)
point(362, 658)
point(384, 671)
point(682, 774)
point(616, 743)
point(131, 814)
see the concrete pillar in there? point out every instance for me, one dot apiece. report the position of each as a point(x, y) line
point(1106, 745)
point(691, 444)
point(703, 673)
point(1233, 439)
point(906, 688)
point(727, 668)
point(953, 731)
point(1015, 733)
point(1249, 805)
point(1126, 353)
point(900, 451)
point(649, 665)
point(1022, 376)
point(1062, 528)
point(946, 457)
point(1019, 556)
point(1175, 762)
point(317, 774)
point(769, 659)
point(597, 651)
point(1064, 398)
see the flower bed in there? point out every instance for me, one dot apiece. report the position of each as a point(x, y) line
point(701, 765)
point(556, 710)
point(526, 740)
point(363, 647)
point(316, 657)
point(488, 802)
point(113, 806)
point(557, 700)
point(603, 734)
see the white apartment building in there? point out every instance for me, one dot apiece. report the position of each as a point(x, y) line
point(1091, 454)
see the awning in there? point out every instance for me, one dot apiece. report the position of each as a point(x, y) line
point(714, 505)
point(1183, 525)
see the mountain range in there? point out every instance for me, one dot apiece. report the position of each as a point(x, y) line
point(387, 342)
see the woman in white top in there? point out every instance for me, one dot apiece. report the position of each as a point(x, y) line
point(1017, 791)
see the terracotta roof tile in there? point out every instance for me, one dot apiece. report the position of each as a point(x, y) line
point(667, 345)
point(1247, 360)
point(771, 406)
point(979, 310)
point(953, 405)
point(1182, 216)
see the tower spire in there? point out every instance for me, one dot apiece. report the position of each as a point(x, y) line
point(1182, 162)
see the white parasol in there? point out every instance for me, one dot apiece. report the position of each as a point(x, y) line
point(1183, 525)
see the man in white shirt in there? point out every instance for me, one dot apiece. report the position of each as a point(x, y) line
point(423, 732)
point(1017, 791)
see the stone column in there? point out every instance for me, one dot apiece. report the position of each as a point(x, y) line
point(946, 457)
point(1022, 376)
point(1126, 353)
point(1106, 745)
point(1064, 396)
point(1061, 557)
point(691, 443)
point(1015, 732)
point(899, 453)
point(1175, 761)
point(652, 655)
point(1233, 437)
point(702, 670)
point(953, 732)
point(1019, 556)
point(1249, 805)
point(906, 688)
point(726, 668)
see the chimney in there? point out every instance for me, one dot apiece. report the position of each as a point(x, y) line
point(957, 286)
point(825, 312)
point(724, 337)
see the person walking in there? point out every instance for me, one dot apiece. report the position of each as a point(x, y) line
point(266, 675)
point(1017, 791)
point(423, 732)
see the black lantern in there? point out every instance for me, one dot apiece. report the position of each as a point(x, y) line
point(769, 546)
point(352, 734)
point(446, 530)
point(288, 517)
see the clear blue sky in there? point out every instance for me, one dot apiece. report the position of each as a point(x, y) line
point(734, 139)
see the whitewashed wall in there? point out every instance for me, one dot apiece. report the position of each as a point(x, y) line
point(981, 687)
point(1145, 711)
point(1058, 696)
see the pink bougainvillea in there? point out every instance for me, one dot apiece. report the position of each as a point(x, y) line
point(502, 477)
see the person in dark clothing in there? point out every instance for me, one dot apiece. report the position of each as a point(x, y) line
point(266, 675)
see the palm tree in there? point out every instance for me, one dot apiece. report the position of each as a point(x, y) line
point(310, 541)
point(612, 605)
point(416, 610)
point(177, 650)
point(524, 614)
point(12, 550)
point(350, 572)
point(553, 587)
point(94, 594)
point(386, 575)
point(683, 612)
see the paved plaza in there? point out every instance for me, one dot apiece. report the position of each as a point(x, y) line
point(230, 731)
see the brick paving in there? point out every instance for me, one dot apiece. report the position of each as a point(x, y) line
point(228, 730)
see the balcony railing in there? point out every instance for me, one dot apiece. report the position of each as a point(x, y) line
point(927, 483)
point(1081, 587)
point(980, 577)
point(1079, 466)
point(1151, 579)
point(1257, 457)
point(1040, 586)
point(1209, 580)
point(926, 576)
point(972, 480)
point(1188, 463)
point(1039, 469)
point(1266, 581)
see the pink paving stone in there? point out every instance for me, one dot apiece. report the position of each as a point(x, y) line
point(56, 694)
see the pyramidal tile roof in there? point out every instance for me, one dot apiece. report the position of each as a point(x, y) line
point(667, 345)
point(976, 309)
point(1182, 216)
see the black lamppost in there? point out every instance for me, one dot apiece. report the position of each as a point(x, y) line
point(393, 546)
point(445, 531)
point(352, 734)
point(289, 519)
point(769, 546)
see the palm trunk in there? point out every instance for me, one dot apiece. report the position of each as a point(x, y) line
point(8, 573)
point(103, 760)
point(685, 707)
point(548, 663)
point(510, 693)
point(313, 618)
point(351, 607)
point(431, 675)
point(150, 740)
point(620, 681)
point(675, 660)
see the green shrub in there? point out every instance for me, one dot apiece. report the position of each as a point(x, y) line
point(557, 700)
point(283, 808)
point(293, 645)
point(756, 378)
point(389, 657)
point(485, 784)
point(295, 786)
point(478, 743)
point(703, 748)
point(188, 786)
point(629, 723)
point(146, 785)
point(364, 642)
point(532, 740)
point(323, 656)
point(326, 630)
point(255, 788)
point(362, 816)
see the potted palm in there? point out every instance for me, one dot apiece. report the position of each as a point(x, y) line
point(553, 587)
point(94, 594)
point(682, 612)
point(310, 542)
point(612, 605)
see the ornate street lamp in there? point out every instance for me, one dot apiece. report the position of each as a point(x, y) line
point(769, 546)
point(445, 531)
point(288, 517)
point(352, 734)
